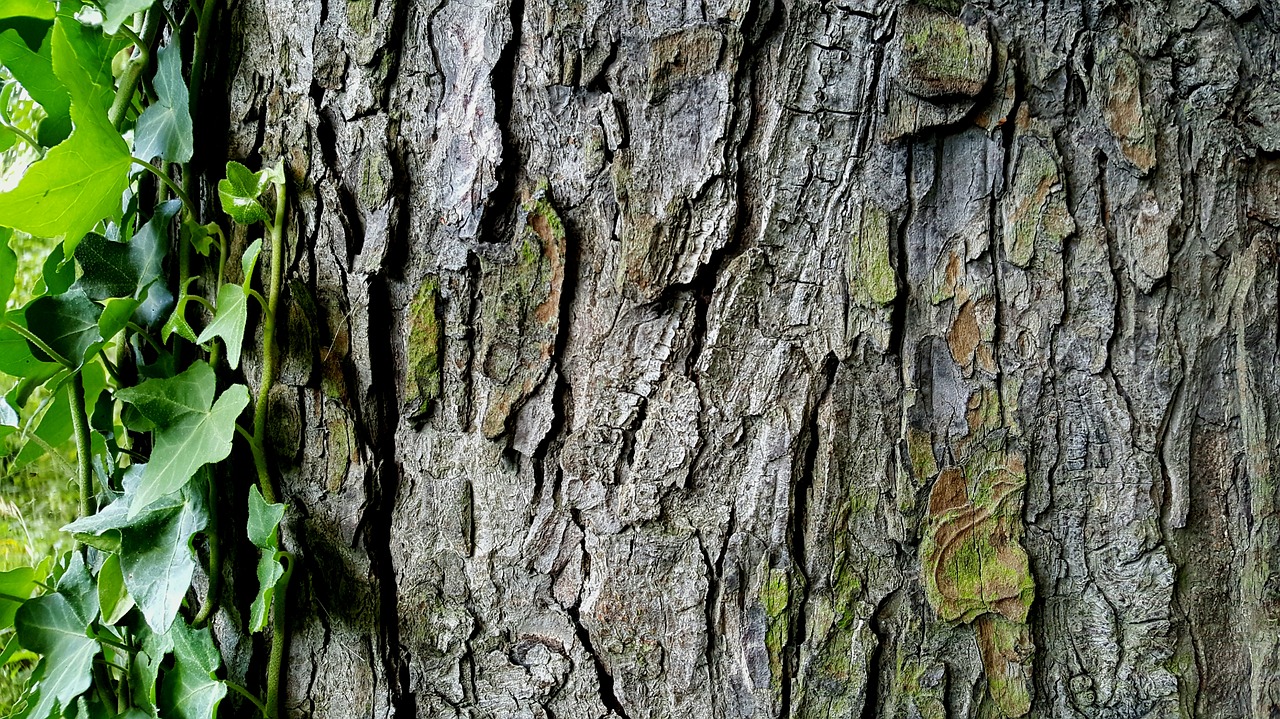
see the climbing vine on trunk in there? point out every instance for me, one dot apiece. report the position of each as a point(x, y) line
point(130, 353)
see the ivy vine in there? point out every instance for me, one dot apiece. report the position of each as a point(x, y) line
point(130, 349)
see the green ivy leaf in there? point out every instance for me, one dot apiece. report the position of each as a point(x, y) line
point(77, 585)
point(164, 129)
point(56, 273)
point(107, 268)
point(157, 558)
point(14, 584)
point(34, 69)
point(144, 670)
point(16, 357)
point(50, 626)
point(79, 182)
point(68, 323)
point(249, 260)
point(42, 9)
point(190, 431)
point(55, 425)
point(112, 594)
point(154, 544)
point(8, 266)
point(116, 315)
point(117, 12)
point(86, 52)
point(263, 529)
point(239, 194)
point(191, 689)
point(229, 321)
point(165, 401)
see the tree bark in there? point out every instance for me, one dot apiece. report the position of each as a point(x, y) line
point(752, 359)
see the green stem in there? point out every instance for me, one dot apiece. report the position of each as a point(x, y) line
point(210, 604)
point(30, 336)
point(269, 354)
point(279, 638)
point(203, 29)
point(247, 695)
point(12, 598)
point(133, 71)
point(80, 428)
point(164, 178)
point(24, 137)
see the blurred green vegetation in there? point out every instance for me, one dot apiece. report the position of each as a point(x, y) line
point(38, 498)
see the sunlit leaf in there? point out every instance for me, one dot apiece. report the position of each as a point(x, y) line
point(50, 626)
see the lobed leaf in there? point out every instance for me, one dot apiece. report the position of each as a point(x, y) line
point(164, 129)
point(50, 626)
point(191, 690)
point(229, 322)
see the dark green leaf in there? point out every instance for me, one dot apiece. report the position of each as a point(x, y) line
point(157, 558)
point(107, 268)
point(77, 585)
point(144, 670)
point(229, 321)
point(164, 129)
point(49, 625)
point(57, 273)
point(68, 323)
point(191, 690)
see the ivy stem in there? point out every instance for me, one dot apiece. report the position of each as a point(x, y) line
point(279, 637)
point(80, 427)
point(210, 604)
point(31, 337)
point(164, 178)
point(247, 695)
point(133, 71)
point(24, 137)
point(269, 354)
point(204, 26)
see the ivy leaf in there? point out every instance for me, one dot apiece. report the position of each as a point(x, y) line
point(191, 689)
point(78, 182)
point(42, 9)
point(85, 51)
point(248, 260)
point(191, 429)
point(145, 667)
point(16, 357)
point(108, 269)
point(177, 323)
point(8, 267)
point(157, 559)
point(55, 425)
point(229, 322)
point(17, 583)
point(154, 545)
point(50, 626)
point(117, 12)
point(116, 314)
point(164, 128)
point(34, 69)
point(112, 595)
point(56, 273)
point(68, 323)
point(165, 401)
point(194, 441)
point(239, 194)
point(77, 585)
point(263, 529)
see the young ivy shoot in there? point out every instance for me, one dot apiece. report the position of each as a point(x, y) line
point(130, 349)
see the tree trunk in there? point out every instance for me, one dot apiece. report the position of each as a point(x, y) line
point(737, 359)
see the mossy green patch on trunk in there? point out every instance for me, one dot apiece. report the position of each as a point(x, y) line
point(422, 350)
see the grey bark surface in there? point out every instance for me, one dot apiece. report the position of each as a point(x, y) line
point(746, 359)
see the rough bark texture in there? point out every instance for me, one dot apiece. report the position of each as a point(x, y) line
point(740, 359)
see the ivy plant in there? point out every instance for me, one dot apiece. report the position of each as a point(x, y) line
point(129, 349)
